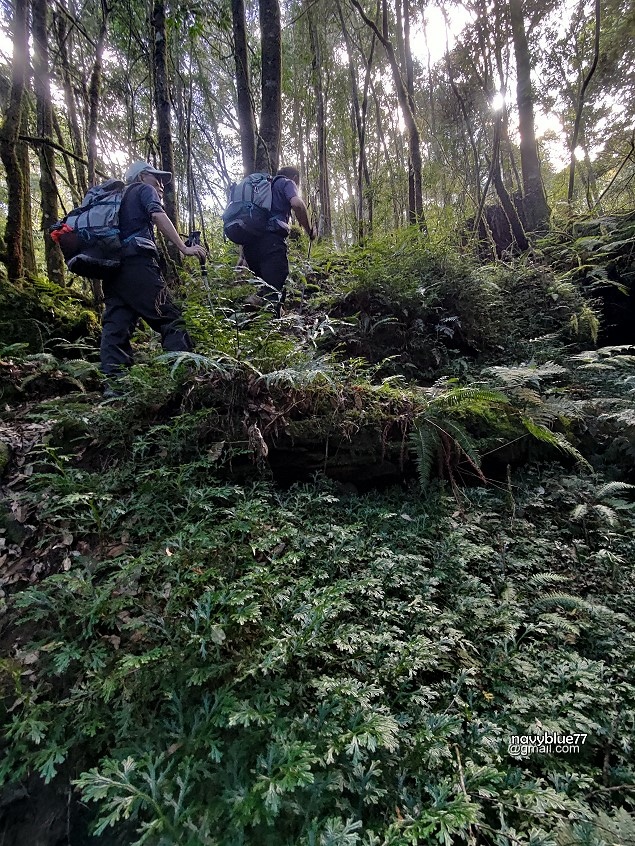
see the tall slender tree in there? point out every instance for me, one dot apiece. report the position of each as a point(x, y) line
point(415, 162)
point(11, 148)
point(46, 153)
point(269, 134)
point(94, 92)
point(534, 198)
point(244, 99)
point(163, 110)
point(63, 34)
point(581, 100)
point(324, 224)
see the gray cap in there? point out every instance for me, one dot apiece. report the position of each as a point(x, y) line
point(137, 168)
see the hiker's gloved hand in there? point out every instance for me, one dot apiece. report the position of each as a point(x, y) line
point(197, 250)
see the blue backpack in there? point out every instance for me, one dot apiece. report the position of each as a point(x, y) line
point(248, 214)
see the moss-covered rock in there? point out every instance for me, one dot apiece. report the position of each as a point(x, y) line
point(34, 311)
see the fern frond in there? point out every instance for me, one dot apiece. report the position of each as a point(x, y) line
point(543, 580)
point(555, 439)
point(42, 358)
point(612, 488)
point(224, 365)
point(543, 415)
point(625, 418)
point(527, 395)
point(579, 512)
point(606, 514)
point(425, 443)
point(585, 356)
point(463, 441)
point(561, 624)
point(470, 400)
point(302, 375)
point(620, 349)
point(573, 603)
point(523, 374)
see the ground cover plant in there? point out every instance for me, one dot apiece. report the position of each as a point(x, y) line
point(196, 654)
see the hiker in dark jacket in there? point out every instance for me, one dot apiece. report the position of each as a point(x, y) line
point(267, 256)
point(137, 289)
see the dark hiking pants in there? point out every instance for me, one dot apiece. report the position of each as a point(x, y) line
point(138, 291)
point(267, 258)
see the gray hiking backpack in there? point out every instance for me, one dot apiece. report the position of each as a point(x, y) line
point(249, 211)
point(89, 235)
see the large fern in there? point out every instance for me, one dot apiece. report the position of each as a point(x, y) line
point(425, 443)
point(438, 436)
point(554, 439)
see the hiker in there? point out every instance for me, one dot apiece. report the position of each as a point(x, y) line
point(137, 288)
point(266, 255)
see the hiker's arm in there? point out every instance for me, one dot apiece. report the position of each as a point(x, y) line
point(166, 228)
point(302, 216)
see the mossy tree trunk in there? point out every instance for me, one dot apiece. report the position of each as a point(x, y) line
point(78, 184)
point(46, 154)
point(515, 223)
point(11, 150)
point(22, 150)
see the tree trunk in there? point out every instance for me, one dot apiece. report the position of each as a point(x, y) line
point(325, 227)
point(46, 154)
point(415, 164)
point(394, 191)
point(299, 137)
point(360, 113)
point(163, 109)
point(94, 94)
point(534, 201)
point(516, 226)
point(415, 200)
point(23, 152)
point(162, 102)
point(268, 144)
point(71, 175)
point(244, 105)
point(9, 152)
point(580, 103)
point(61, 32)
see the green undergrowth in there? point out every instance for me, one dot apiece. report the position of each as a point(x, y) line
point(430, 305)
point(223, 664)
point(206, 658)
point(597, 255)
point(39, 313)
point(208, 661)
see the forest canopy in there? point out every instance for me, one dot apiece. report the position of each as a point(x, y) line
point(393, 114)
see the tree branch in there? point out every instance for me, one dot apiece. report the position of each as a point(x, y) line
point(32, 139)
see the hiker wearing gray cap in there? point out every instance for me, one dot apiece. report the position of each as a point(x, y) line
point(137, 288)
